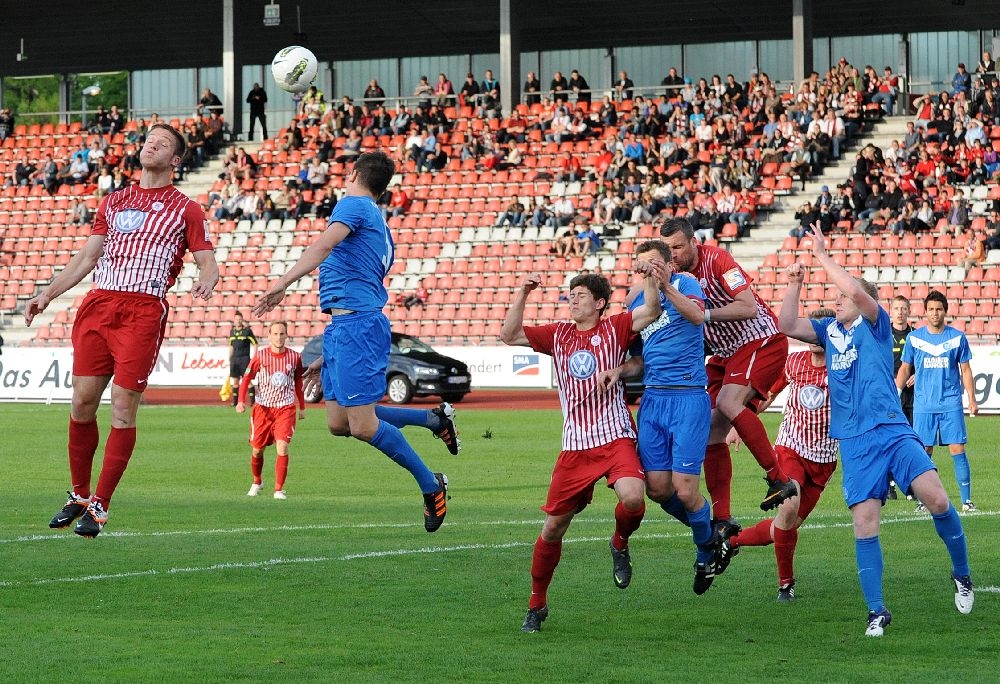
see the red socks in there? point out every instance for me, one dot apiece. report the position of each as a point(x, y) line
point(543, 564)
point(753, 434)
point(626, 522)
point(117, 452)
point(784, 553)
point(83, 439)
point(758, 535)
point(256, 467)
point(280, 471)
point(718, 479)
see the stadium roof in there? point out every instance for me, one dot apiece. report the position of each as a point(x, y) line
point(80, 37)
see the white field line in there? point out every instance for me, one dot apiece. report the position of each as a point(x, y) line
point(388, 553)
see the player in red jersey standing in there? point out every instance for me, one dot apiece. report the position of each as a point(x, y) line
point(598, 430)
point(808, 454)
point(748, 354)
point(135, 250)
point(272, 420)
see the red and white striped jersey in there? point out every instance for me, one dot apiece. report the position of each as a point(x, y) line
point(722, 279)
point(591, 416)
point(279, 378)
point(148, 230)
point(806, 426)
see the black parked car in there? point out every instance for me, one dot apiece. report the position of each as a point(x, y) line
point(415, 369)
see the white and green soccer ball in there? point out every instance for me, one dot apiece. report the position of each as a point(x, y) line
point(294, 68)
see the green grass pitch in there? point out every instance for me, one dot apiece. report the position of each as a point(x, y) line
point(194, 581)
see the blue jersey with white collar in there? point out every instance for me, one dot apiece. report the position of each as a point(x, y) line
point(673, 348)
point(859, 368)
point(935, 358)
point(352, 275)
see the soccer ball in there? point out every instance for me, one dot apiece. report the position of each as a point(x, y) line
point(294, 68)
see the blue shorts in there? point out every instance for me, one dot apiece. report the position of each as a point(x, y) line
point(673, 429)
point(869, 458)
point(355, 358)
point(940, 429)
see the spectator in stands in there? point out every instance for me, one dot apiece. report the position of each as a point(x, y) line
point(100, 123)
point(489, 85)
point(257, 99)
point(512, 157)
point(400, 123)
point(563, 212)
point(351, 149)
point(424, 91)
point(374, 95)
point(605, 206)
point(215, 132)
point(47, 175)
point(79, 171)
point(672, 82)
point(293, 137)
point(587, 241)
point(578, 84)
point(624, 86)
point(317, 174)
point(469, 93)
point(961, 82)
point(209, 103)
point(6, 123)
point(81, 213)
point(804, 217)
point(105, 182)
point(23, 171)
point(958, 214)
point(992, 230)
point(800, 160)
point(513, 214)
point(400, 202)
point(532, 89)
point(975, 250)
point(564, 242)
point(987, 65)
point(570, 168)
point(444, 91)
point(489, 104)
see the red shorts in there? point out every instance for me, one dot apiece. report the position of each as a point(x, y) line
point(119, 334)
point(811, 476)
point(271, 424)
point(577, 472)
point(757, 364)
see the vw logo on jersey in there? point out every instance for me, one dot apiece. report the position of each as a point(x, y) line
point(812, 397)
point(129, 220)
point(279, 379)
point(582, 364)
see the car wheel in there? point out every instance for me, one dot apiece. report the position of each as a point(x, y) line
point(314, 394)
point(400, 389)
point(453, 398)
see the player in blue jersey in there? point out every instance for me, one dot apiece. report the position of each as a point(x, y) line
point(867, 419)
point(675, 412)
point(938, 355)
point(354, 254)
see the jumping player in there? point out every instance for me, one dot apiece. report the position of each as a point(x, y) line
point(135, 250)
point(272, 419)
point(598, 430)
point(354, 254)
point(875, 438)
point(938, 355)
point(749, 353)
point(807, 453)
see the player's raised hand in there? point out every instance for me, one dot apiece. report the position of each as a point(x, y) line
point(35, 306)
point(311, 378)
point(531, 282)
point(270, 300)
point(204, 289)
point(796, 272)
point(819, 240)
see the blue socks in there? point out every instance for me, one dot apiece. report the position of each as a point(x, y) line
point(390, 441)
point(675, 508)
point(949, 528)
point(701, 531)
point(401, 417)
point(963, 475)
point(868, 553)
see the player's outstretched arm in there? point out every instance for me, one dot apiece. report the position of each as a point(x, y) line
point(789, 320)
point(208, 273)
point(79, 266)
point(311, 258)
point(841, 278)
point(512, 332)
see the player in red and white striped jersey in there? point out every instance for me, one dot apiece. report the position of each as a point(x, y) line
point(599, 433)
point(807, 453)
point(748, 354)
point(279, 374)
point(135, 249)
